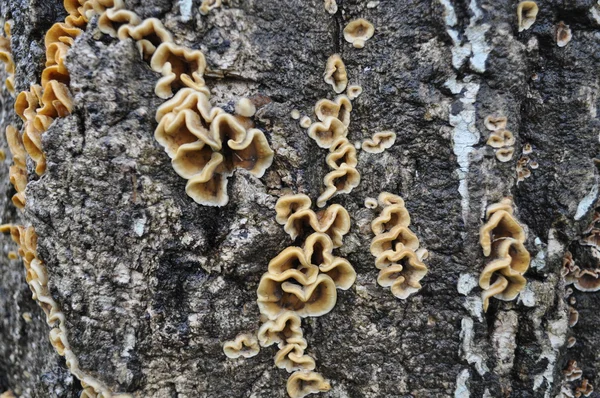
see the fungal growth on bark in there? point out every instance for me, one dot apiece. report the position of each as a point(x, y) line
point(339, 108)
point(18, 170)
point(7, 58)
point(301, 384)
point(380, 142)
point(563, 34)
point(335, 73)
point(525, 164)
point(244, 345)
point(353, 91)
point(331, 6)
point(502, 238)
point(358, 31)
point(501, 140)
point(584, 280)
point(208, 5)
point(148, 35)
point(396, 248)
point(180, 67)
point(526, 13)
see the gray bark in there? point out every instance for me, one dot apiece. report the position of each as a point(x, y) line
point(153, 284)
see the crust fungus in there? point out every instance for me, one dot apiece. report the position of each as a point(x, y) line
point(380, 142)
point(335, 73)
point(244, 345)
point(502, 237)
point(327, 132)
point(495, 123)
point(180, 67)
point(302, 383)
point(526, 13)
point(340, 108)
point(358, 31)
point(396, 248)
point(331, 6)
point(208, 5)
point(342, 180)
point(354, 91)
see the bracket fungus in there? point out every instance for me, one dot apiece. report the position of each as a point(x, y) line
point(244, 107)
point(502, 238)
point(18, 171)
point(572, 372)
point(380, 142)
point(180, 67)
point(371, 203)
point(302, 383)
point(285, 327)
point(358, 31)
point(340, 109)
point(335, 73)
point(331, 6)
point(149, 34)
point(112, 19)
point(208, 5)
point(244, 345)
point(585, 389)
point(291, 357)
point(7, 58)
point(341, 180)
point(501, 139)
point(354, 91)
point(563, 34)
point(526, 13)
point(495, 123)
point(396, 248)
point(305, 122)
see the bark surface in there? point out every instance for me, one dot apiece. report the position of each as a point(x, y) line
point(152, 284)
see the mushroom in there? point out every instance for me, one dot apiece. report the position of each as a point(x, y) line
point(291, 357)
point(563, 34)
point(341, 153)
point(110, 20)
point(358, 31)
point(244, 345)
point(302, 383)
point(494, 123)
point(504, 154)
point(501, 224)
point(500, 139)
point(380, 142)
point(289, 204)
point(335, 73)
point(572, 372)
point(284, 328)
point(340, 109)
point(149, 34)
point(180, 66)
point(401, 271)
point(354, 91)
point(327, 132)
point(398, 238)
point(342, 180)
point(245, 107)
point(526, 13)
point(390, 217)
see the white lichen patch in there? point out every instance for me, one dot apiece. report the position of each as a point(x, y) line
point(476, 35)
point(527, 296)
point(586, 203)
point(475, 307)
point(466, 283)
point(462, 388)
point(504, 339)
point(470, 352)
point(555, 247)
point(185, 9)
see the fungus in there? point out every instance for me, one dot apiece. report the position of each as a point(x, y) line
point(295, 114)
point(244, 345)
point(196, 158)
point(500, 139)
point(180, 66)
point(341, 180)
point(401, 270)
point(276, 294)
point(305, 122)
point(340, 108)
point(18, 171)
point(370, 203)
point(571, 342)
point(504, 154)
point(291, 357)
point(185, 127)
point(380, 142)
point(290, 204)
point(335, 73)
point(572, 372)
point(526, 13)
point(354, 91)
point(56, 100)
point(358, 31)
point(494, 123)
point(534, 165)
point(327, 132)
point(245, 107)
point(586, 389)
point(110, 20)
point(148, 35)
point(588, 280)
point(573, 316)
point(8, 394)
point(390, 217)
point(285, 327)
point(388, 199)
point(563, 34)
point(293, 264)
point(398, 238)
point(527, 149)
point(303, 383)
point(341, 152)
point(331, 6)
point(190, 99)
point(501, 224)
point(208, 5)
point(333, 221)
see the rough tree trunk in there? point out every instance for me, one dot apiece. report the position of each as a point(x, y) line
point(152, 284)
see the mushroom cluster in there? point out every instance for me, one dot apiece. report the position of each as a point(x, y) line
point(502, 238)
point(205, 143)
point(37, 279)
point(7, 59)
point(584, 280)
point(302, 281)
point(17, 173)
point(396, 248)
point(500, 139)
point(525, 164)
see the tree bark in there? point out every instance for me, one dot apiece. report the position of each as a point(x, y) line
point(153, 284)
